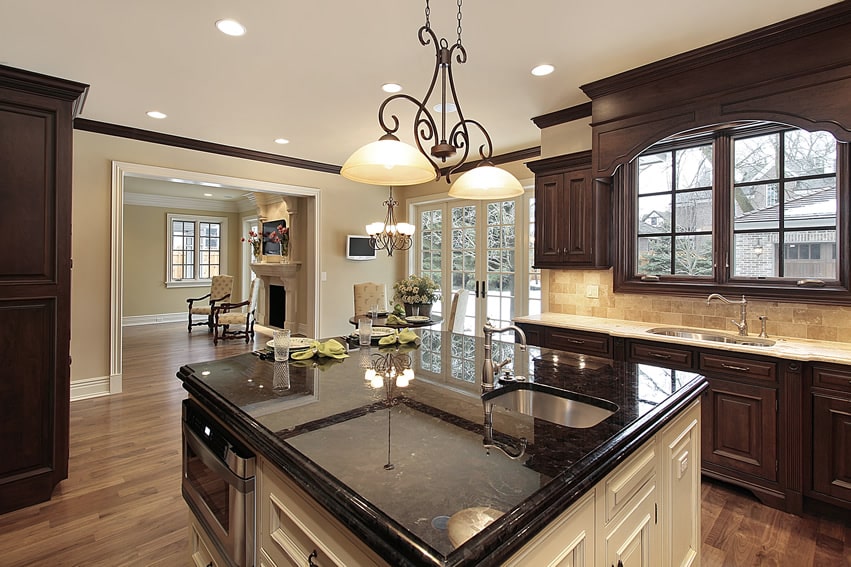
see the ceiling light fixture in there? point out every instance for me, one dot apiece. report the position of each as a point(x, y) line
point(391, 87)
point(392, 162)
point(230, 27)
point(543, 70)
point(390, 235)
point(156, 114)
point(281, 141)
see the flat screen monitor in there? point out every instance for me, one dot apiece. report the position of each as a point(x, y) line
point(359, 248)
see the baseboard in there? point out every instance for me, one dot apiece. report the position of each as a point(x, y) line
point(90, 388)
point(154, 319)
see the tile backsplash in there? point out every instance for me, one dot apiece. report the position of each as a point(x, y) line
point(569, 291)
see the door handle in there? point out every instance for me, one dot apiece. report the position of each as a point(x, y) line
point(484, 288)
point(477, 288)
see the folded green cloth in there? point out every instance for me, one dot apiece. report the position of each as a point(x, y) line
point(405, 336)
point(329, 349)
point(393, 319)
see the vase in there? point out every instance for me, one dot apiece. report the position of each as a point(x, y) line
point(423, 309)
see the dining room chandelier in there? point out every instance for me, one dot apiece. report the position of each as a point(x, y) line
point(390, 161)
point(390, 235)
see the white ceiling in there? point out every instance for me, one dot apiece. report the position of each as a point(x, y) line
point(311, 71)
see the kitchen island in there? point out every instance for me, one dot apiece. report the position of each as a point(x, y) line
point(395, 464)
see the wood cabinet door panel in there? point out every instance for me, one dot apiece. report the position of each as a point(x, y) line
point(577, 225)
point(548, 203)
point(832, 446)
point(740, 428)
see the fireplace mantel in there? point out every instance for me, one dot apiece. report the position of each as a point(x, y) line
point(277, 274)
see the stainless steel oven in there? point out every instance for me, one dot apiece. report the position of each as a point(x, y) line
point(218, 484)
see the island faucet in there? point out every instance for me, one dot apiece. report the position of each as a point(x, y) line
point(741, 325)
point(489, 368)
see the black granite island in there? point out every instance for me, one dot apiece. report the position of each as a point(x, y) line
point(393, 460)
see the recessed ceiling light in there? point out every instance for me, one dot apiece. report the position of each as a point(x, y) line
point(391, 87)
point(281, 141)
point(176, 180)
point(208, 184)
point(156, 114)
point(208, 194)
point(450, 107)
point(542, 70)
point(230, 27)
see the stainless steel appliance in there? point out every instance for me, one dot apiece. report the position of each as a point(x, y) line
point(218, 484)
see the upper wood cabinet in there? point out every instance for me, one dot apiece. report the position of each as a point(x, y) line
point(36, 114)
point(572, 213)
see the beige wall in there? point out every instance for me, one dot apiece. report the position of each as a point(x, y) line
point(568, 288)
point(345, 208)
point(145, 231)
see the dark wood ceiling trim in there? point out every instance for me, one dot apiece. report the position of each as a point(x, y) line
point(577, 160)
point(563, 116)
point(794, 28)
point(518, 155)
point(37, 83)
point(200, 145)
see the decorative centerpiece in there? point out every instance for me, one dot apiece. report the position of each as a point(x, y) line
point(255, 241)
point(417, 294)
point(276, 242)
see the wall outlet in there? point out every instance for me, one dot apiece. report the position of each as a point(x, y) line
point(592, 291)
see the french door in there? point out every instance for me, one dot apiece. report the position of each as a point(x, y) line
point(481, 247)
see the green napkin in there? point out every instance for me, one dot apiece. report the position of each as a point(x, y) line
point(329, 349)
point(405, 336)
point(393, 319)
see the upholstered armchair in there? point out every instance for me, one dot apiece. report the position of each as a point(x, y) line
point(228, 315)
point(220, 289)
point(368, 295)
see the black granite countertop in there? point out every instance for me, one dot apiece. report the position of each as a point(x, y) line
point(393, 462)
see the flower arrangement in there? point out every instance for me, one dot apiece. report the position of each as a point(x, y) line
point(282, 235)
point(416, 289)
point(255, 241)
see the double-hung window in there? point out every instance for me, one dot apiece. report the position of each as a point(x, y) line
point(195, 249)
point(748, 209)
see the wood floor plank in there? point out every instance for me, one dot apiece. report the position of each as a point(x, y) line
point(121, 505)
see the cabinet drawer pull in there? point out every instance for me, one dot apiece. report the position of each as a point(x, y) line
point(575, 341)
point(310, 558)
point(739, 368)
point(660, 355)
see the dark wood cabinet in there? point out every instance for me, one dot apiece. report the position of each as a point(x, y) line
point(740, 429)
point(830, 395)
point(572, 213)
point(583, 342)
point(36, 114)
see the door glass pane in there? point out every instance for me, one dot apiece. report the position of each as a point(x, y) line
point(463, 250)
point(431, 259)
point(534, 275)
point(500, 262)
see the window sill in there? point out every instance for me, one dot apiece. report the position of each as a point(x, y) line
point(834, 294)
point(188, 283)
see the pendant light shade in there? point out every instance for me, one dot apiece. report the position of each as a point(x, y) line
point(388, 162)
point(486, 182)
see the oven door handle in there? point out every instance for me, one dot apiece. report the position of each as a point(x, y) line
point(215, 463)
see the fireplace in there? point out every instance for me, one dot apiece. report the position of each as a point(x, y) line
point(278, 299)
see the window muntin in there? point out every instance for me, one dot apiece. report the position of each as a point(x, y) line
point(195, 248)
point(780, 188)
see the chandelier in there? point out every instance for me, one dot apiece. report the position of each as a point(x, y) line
point(390, 235)
point(390, 161)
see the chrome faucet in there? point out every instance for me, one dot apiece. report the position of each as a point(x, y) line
point(488, 442)
point(741, 325)
point(489, 368)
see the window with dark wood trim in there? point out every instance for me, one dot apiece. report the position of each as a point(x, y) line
point(756, 208)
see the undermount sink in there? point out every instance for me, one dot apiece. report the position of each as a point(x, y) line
point(712, 336)
point(552, 404)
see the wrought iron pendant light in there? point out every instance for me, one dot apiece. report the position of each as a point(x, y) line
point(390, 235)
point(389, 161)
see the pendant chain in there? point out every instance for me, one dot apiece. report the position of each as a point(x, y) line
point(428, 18)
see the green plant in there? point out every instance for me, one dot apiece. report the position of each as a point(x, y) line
point(416, 289)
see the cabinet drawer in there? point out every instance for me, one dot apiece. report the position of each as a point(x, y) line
point(578, 341)
point(832, 377)
point(715, 364)
point(655, 354)
point(622, 486)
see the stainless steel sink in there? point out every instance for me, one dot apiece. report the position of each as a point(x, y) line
point(552, 404)
point(712, 336)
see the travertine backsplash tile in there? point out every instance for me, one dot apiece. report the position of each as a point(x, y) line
point(567, 290)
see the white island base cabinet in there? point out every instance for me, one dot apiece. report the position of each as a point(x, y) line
point(645, 513)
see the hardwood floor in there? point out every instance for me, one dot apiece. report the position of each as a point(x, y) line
point(121, 504)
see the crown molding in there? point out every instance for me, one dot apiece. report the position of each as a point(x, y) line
point(563, 116)
point(189, 203)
